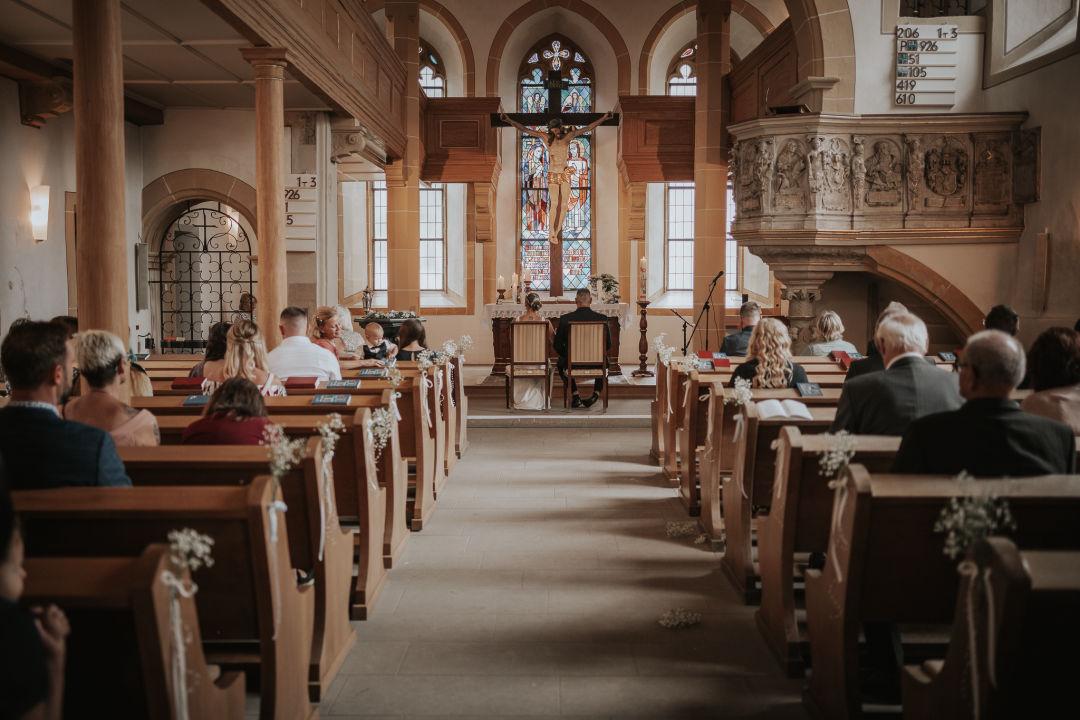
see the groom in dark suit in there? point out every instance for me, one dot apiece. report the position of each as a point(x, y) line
point(583, 313)
point(40, 449)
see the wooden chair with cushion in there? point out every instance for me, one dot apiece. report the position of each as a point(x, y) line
point(529, 357)
point(586, 357)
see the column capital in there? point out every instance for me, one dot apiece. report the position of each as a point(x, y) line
point(260, 57)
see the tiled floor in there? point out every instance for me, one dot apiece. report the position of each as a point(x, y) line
point(536, 590)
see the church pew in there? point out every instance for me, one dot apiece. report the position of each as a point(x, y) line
point(750, 488)
point(656, 412)
point(461, 407)
point(885, 563)
point(798, 521)
point(718, 454)
point(305, 490)
point(249, 606)
point(1034, 596)
point(417, 440)
point(121, 652)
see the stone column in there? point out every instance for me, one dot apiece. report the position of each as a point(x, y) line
point(710, 162)
point(480, 202)
point(102, 264)
point(802, 290)
point(273, 287)
point(403, 175)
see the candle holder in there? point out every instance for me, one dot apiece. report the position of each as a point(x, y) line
point(643, 344)
point(502, 296)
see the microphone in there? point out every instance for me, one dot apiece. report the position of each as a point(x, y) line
point(717, 278)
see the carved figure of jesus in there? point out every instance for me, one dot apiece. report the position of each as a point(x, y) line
point(557, 141)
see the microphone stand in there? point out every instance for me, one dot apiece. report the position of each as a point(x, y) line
point(705, 310)
point(685, 322)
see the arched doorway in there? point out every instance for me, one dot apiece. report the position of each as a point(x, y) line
point(201, 273)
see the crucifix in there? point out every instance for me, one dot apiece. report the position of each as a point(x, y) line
point(561, 129)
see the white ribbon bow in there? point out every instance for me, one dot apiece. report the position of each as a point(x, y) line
point(740, 426)
point(272, 509)
point(177, 589)
point(970, 570)
point(326, 507)
point(393, 403)
point(423, 399)
point(837, 518)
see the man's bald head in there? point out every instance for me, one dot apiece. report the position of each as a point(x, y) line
point(995, 362)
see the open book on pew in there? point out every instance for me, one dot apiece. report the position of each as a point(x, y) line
point(844, 358)
point(773, 408)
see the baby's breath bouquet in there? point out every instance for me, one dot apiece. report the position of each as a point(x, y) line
point(450, 348)
point(380, 425)
point(742, 393)
point(969, 519)
point(331, 431)
point(837, 456)
point(663, 352)
point(393, 375)
point(191, 549)
point(284, 453)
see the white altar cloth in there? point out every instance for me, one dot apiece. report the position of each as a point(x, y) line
point(554, 311)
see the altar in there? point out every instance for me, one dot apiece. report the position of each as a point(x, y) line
point(500, 315)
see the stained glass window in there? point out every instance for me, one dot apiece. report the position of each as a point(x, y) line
point(432, 77)
point(556, 53)
point(682, 73)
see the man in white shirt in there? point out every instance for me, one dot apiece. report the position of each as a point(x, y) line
point(297, 356)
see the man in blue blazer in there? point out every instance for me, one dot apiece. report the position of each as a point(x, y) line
point(39, 448)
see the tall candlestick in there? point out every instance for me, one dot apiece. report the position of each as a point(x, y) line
point(501, 283)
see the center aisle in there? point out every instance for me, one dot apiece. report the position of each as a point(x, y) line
point(536, 591)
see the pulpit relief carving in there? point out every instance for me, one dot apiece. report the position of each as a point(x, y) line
point(992, 172)
point(789, 183)
point(883, 175)
point(946, 174)
point(827, 163)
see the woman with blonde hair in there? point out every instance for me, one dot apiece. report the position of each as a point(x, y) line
point(328, 328)
point(245, 356)
point(103, 362)
point(768, 359)
point(830, 329)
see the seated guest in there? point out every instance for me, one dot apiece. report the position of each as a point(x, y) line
point(768, 363)
point(1054, 368)
point(376, 346)
point(736, 344)
point(235, 415)
point(412, 339)
point(106, 370)
point(141, 386)
point(830, 329)
point(69, 321)
point(873, 362)
point(351, 340)
point(885, 403)
point(297, 356)
point(34, 647)
point(529, 391)
point(326, 329)
point(990, 436)
point(583, 313)
point(214, 359)
point(246, 357)
point(1003, 318)
point(39, 448)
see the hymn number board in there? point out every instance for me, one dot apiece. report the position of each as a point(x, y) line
point(301, 208)
point(925, 65)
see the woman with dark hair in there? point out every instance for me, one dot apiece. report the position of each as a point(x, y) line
point(235, 415)
point(214, 360)
point(411, 339)
point(35, 643)
point(1054, 369)
point(105, 366)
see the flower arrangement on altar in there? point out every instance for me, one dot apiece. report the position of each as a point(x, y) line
point(837, 456)
point(969, 519)
point(389, 315)
point(609, 285)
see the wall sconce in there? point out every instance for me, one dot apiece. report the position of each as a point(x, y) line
point(39, 212)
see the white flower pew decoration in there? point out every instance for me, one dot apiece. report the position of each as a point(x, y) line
point(284, 454)
point(379, 426)
point(330, 432)
point(966, 522)
point(188, 549)
point(393, 376)
point(741, 395)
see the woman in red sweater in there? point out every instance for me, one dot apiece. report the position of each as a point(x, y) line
point(235, 415)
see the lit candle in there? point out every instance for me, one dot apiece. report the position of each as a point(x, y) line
point(643, 278)
point(643, 264)
point(501, 283)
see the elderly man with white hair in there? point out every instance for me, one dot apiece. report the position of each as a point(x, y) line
point(885, 403)
point(990, 436)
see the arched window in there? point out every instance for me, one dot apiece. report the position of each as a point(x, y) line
point(679, 203)
point(556, 52)
point(432, 71)
point(682, 73)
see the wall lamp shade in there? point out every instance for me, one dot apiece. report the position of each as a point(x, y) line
point(39, 212)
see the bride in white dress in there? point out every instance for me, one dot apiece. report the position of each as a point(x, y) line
point(529, 391)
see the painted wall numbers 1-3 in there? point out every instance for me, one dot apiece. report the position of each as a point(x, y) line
point(301, 208)
point(925, 65)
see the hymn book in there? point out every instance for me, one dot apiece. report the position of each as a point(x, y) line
point(345, 384)
point(331, 399)
point(772, 408)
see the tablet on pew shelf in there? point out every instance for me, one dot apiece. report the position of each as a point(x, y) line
point(773, 408)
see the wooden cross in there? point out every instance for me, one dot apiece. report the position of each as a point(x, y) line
point(554, 84)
